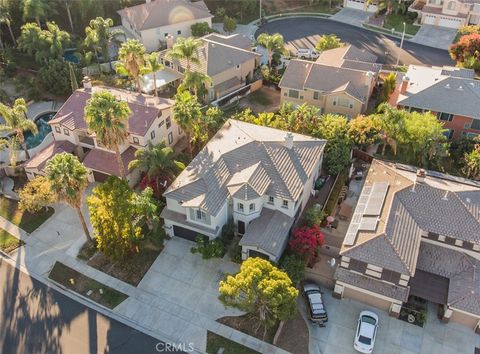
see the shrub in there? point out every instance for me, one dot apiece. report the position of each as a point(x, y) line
point(229, 24)
point(294, 266)
point(305, 242)
point(314, 216)
point(55, 77)
point(228, 232)
point(208, 248)
point(200, 29)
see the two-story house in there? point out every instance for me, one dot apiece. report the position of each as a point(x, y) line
point(447, 13)
point(340, 81)
point(150, 121)
point(450, 93)
point(228, 60)
point(257, 177)
point(414, 233)
point(153, 21)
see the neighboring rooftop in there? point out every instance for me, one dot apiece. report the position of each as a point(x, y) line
point(57, 147)
point(158, 13)
point(246, 160)
point(105, 161)
point(350, 57)
point(144, 109)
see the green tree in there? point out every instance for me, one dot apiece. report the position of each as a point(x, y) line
point(5, 18)
point(472, 163)
point(261, 290)
point(55, 77)
point(392, 123)
point(294, 266)
point(273, 43)
point(388, 87)
point(12, 145)
point(328, 41)
point(186, 49)
point(147, 210)
point(36, 10)
point(158, 161)
point(187, 113)
point(364, 131)
point(36, 194)
point(100, 36)
point(16, 120)
point(229, 24)
point(68, 179)
point(303, 119)
point(195, 82)
point(107, 117)
point(132, 60)
point(113, 212)
point(200, 29)
point(152, 65)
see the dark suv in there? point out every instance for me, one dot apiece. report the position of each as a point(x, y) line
point(317, 313)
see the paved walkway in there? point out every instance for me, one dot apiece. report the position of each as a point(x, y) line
point(434, 36)
point(352, 16)
point(175, 302)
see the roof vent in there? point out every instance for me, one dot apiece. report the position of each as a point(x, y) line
point(447, 86)
point(289, 140)
point(472, 84)
point(421, 175)
point(460, 88)
point(468, 200)
point(413, 187)
point(445, 197)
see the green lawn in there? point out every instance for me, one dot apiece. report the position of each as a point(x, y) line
point(81, 284)
point(215, 342)
point(8, 242)
point(396, 21)
point(27, 221)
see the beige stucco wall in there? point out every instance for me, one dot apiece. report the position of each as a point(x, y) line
point(245, 70)
point(465, 319)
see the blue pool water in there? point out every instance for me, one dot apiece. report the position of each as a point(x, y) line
point(43, 129)
point(69, 55)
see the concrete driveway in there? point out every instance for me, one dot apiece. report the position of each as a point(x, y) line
point(434, 36)
point(352, 16)
point(393, 337)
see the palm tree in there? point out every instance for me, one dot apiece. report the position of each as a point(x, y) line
point(195, 81)
point(157, 161)
point(131, 56)
point(152, 65)
point(186, 49)
point(273, 43)
point(187, 113)
point(108, 117)
point(6, 19)
point(56, 40)
point(99, 37)
point(36, 9)
point(16, 120)
point(392, 122)
point(68, 178)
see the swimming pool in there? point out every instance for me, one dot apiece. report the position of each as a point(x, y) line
point(43, 129)
point(69, 55)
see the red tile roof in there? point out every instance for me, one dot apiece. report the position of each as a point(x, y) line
point(106, 162)
point(39, 161)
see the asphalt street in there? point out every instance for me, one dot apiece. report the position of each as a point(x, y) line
point(304, 33)
point(35, 319)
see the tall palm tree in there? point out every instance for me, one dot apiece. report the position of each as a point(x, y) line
point(68, 178)
point(392, 121)
point(131, 56)
point(273, 43)
point(157, 161)
point(16, 120)
point(36, 9)
point(186, 49)
point(187, 113)
point(99, 37)
point(152, 65)
point(108, 117)
point(195, 81)
point(56, 40)
point(7, 19)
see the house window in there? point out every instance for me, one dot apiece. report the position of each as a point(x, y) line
point(135, 140)
point(343, 102)
point(390, 276)
point(240, 207)
point(170, 138)
point(66, 132)
point(169, 122)
point(165, 34)
point(201, 215)
point(293, 93)
point(161, 123)
point(285, 204)
point(316, 95)
point(270, 200)
point(252, 207)
point(152, 134)
point(238, 66)
point(451, 5)
point(57, 129)
point(475, 124)
point(179, 32)
point(446, 117)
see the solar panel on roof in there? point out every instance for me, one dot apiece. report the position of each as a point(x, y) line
point(368, 223)
point(376, 198)
point(352, 231)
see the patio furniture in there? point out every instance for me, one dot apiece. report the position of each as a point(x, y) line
point(345, 211)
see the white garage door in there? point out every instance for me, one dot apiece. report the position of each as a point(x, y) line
point(359, 5)
point(450, 22)
point(429, 20)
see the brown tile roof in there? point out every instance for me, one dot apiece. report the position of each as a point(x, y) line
point(234, 40)
point(160, 13)
point(40, 160)
point(106, 162)
point(144, 109)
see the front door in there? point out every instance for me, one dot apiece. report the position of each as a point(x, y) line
point(241, 227)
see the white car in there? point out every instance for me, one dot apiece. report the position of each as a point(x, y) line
point(366, 332)
point(307, 53)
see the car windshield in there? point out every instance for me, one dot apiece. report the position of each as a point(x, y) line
point(364, 340)
point(369, 320)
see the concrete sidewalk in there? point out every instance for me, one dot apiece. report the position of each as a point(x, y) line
point(168, 310)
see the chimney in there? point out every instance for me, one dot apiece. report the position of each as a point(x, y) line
point(403, 87)
point(368, 78)
point(87, 83)
point(421, 175)
point(169, 39)
point(289, 140)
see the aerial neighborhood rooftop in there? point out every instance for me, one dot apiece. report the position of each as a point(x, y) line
point(240, 177)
